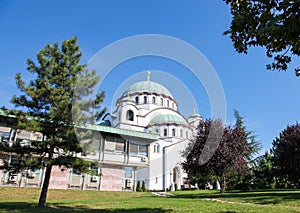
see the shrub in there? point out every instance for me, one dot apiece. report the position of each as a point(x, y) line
point(143, 186)
point(176, 187)
point(138, 186)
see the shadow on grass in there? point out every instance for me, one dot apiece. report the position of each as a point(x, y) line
point(29, 207)
point(228, 212)
point(258, 197)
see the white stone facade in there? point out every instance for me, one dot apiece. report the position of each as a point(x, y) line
point(149, 107)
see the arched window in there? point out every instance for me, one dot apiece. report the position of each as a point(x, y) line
point(173, 106)
point(173, 132)
point(175, 175)
point(156, 148)
point(165, 132)
point(153, 100)
point(161, 101)
point(137, 99)
point(181, 133)
point(145, 99)
point(130, 115)
point(168, 103)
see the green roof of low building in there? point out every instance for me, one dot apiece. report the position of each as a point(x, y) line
point(168, 119)
point(148, 86)
point(122, 132)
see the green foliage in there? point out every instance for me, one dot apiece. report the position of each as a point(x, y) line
point(239, 181)
point(202, 179)
point(285, 182)
point(144, 186)
point(57, 99)
point(286, 155)
point(272, 24)
point(138, 187)
point(176, 187)
point(263, 172)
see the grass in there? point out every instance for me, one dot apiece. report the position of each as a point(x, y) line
point(25, 200)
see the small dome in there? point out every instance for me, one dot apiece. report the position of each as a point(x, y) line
point(168, 119)
point(195, 114)
point(148, 86)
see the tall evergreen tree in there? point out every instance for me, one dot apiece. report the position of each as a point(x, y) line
point(243, 181)
point(61, 89)
point(254, 144)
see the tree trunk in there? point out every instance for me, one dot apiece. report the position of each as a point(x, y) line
point(43, 195)
point(222, 181)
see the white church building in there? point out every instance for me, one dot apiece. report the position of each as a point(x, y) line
point(149, 107)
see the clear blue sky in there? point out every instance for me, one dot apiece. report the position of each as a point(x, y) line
point(267, 100)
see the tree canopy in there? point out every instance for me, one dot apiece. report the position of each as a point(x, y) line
point(286, 153)
point(48, 106)
point(229, 156)
point(272, 24)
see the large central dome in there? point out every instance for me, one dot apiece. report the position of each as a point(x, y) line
point(149, 87)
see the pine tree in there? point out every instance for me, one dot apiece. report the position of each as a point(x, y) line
point(254, 145)
point(243, 181)
point(51, 102)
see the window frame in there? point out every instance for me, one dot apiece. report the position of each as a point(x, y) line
point(130, 115)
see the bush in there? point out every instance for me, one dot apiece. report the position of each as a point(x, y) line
point(176, 187)
point(144, 186)
point(138, 186)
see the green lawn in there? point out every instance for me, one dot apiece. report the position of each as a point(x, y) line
point(25, 200)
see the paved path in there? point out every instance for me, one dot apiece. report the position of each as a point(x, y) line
point(224, 201)
point(166, 194)
point(163, 194)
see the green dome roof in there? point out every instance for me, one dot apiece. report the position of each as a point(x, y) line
point(148, 86)
point(168, 119)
